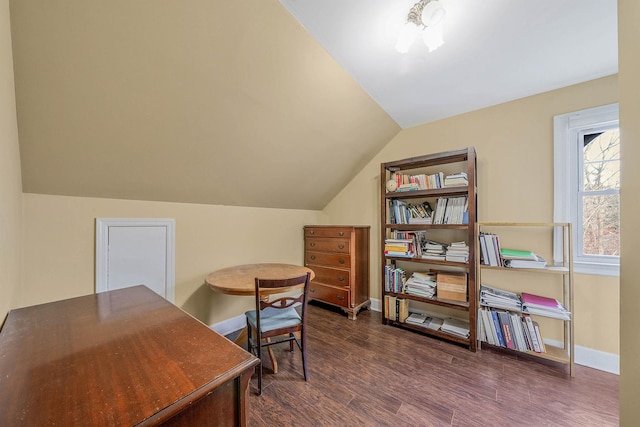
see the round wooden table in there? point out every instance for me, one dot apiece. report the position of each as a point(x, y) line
point(241, 280)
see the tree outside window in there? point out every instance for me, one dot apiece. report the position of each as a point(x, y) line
point(600, 193)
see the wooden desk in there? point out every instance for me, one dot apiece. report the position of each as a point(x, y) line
point(125, 357)
point(241, 280)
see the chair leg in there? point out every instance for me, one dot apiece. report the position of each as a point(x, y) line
point(249, 349)
point(291, 342)
point(303, 343)
point(259, 351)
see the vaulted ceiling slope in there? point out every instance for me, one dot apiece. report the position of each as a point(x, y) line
point(494, 50)
point(215, 102)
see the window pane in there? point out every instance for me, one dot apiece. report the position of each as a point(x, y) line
point(601, 225)
point(602, 160)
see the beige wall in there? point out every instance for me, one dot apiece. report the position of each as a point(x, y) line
point(59, 243)
point(514, 144)
point(10, 180)
point(628, 36)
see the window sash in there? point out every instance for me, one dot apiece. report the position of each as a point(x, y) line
point(569, 130)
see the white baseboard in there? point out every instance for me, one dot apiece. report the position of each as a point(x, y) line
point(591, 358)
point(230, 325)
point(584, 356)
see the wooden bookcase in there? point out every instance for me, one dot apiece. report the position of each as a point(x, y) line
point(538, 238)
point(449, 162)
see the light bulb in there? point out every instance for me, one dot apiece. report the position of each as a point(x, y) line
point(433, 37)
point(408, 34)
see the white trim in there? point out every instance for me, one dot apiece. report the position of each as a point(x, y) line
point(375, 305)
point(596, 359)
point(231, 325)
point(566, 128)
point(102, 248)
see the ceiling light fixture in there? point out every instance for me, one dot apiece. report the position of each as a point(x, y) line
point(426, 16)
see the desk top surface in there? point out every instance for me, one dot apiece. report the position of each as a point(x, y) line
point(123, 357)
point(240, 279)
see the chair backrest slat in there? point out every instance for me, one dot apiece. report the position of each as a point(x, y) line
point(285, 285)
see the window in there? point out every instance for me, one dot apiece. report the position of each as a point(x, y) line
point(587, 187)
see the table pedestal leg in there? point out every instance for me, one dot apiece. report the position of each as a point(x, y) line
point(241, 340)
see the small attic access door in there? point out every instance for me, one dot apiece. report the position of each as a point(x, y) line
point(132, 252)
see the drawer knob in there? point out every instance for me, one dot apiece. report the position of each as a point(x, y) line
point(341, 233)
point(340, 246)
point(311, 232)
point(341, 261)
point(340, 297)
point(312, 290)
point(313, 257)
point(341, 278)
point(312, 244)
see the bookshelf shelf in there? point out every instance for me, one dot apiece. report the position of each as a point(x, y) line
point(560, 274)
point(548, 270)
point(456, 305)
point(418, 227)
point(429, 261)
point(427, 331)
point(458, 227)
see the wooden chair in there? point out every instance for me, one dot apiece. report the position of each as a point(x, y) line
point(276, 318)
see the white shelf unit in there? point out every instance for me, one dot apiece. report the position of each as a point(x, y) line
point(563, 270)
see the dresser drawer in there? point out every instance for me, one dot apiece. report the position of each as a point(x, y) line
point(329, 294)
point(323, 244)
point(332, 276)
point(327, 232)
point(331, 260)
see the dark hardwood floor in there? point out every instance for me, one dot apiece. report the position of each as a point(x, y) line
point(362, 373)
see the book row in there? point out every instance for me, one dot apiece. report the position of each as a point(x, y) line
point(526, 303)
point(410, 244)
point(449, 210)
point(397, 309)
point(510, 330)
point(492, 254)
point(407, 182)
point(443, 285)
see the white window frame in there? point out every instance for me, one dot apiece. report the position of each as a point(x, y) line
point(568, 129)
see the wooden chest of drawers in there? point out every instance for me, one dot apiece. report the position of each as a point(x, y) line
point(339, 257)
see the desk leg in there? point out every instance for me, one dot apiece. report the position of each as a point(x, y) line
point(241, 340)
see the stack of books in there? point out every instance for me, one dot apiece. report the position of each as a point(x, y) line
point(456, 327)
point(459, 179)
point(421, 284)
point(457, 252)
point(426, 320)
point(416, 319)
point(412, 186)
point(515, 258)
point(399, 248)
point(433, 250)
point(543, 306)
point(498, 298)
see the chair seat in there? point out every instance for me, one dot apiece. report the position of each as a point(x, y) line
point(271, 318)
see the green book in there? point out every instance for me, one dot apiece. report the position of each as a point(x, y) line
point(517, 254)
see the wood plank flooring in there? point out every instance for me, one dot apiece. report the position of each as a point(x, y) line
point(363, 373)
